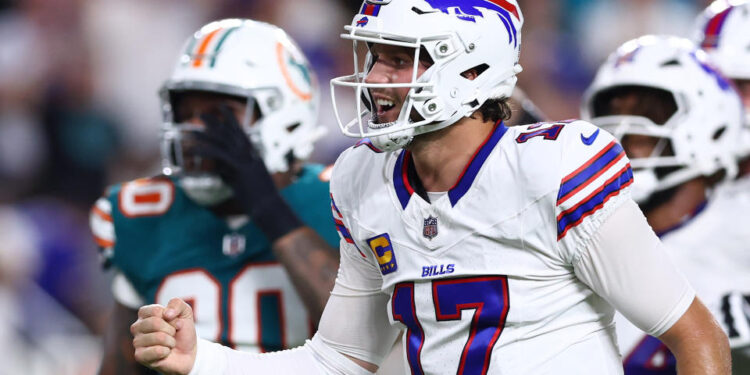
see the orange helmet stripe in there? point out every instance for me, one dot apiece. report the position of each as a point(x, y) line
point(280, 60)
point(203, 47)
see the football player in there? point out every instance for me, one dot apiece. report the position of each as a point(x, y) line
point(495, 250)
point(237, 224)
point(678, 121)
point(723, 31)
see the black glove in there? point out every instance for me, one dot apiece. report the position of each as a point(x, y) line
point(239, 165)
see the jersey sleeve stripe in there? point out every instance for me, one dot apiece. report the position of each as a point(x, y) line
point(589, 171)
point(338, 220)
point(102, 229)
point(101, 214)
point(590, 179)
point(336, 212)
point(103, 243)
point(594, 201)
point(101, 223)
point(343, 231)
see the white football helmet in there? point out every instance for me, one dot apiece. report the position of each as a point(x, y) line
point(252, 60)
point(723, 31)
point(458, 36)
point(701, 133)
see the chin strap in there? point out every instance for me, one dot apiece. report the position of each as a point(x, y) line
point(393, 141)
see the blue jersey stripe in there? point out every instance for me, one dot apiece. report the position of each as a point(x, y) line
point(575, 215)
point(592, 170)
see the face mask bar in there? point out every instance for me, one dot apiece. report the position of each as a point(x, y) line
point(173, 147)
point(420, 91)
point(174, 134)
point(623, 125)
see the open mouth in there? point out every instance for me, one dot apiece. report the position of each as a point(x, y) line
point(385, 110)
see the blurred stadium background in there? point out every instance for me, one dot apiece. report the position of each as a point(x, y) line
point(79, 110)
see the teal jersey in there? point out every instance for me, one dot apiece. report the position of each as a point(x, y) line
point(168, 246)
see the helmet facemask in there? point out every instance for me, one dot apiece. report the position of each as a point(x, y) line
point(658, 116)
point(442, 94)
point(687, 106)
point(413, 113)
point(197, 176)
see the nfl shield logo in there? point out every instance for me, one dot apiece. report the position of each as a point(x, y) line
point(430, 229)
point(233, 244)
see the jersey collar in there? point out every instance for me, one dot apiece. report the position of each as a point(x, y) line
point(405, 189)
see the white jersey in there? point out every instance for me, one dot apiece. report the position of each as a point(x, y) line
point(482, 279)
point(712, 248)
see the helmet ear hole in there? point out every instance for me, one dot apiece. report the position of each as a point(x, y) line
point(673, 62)
point(719, 132)
point(425, 56)
point(475, 71)
point(292, 127)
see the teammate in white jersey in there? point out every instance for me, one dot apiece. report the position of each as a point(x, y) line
point(494, 250)
point(723, 31)
point(678, 120)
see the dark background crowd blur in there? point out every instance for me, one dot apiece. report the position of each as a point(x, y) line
point(79, 111)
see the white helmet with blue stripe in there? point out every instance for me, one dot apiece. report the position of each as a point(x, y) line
point(458, 36)
point(697, 139)
point(723, 31)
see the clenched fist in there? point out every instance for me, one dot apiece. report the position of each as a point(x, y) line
point(164, 337)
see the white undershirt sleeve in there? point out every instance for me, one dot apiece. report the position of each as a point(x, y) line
point(355, 320)
point(313, 358)
point(626, 264)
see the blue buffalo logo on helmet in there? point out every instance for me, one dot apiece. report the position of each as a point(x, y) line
point(468, 10)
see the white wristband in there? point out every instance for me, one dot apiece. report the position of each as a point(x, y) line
point(209, 359)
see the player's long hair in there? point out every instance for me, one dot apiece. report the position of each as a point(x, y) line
point(495, 110)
